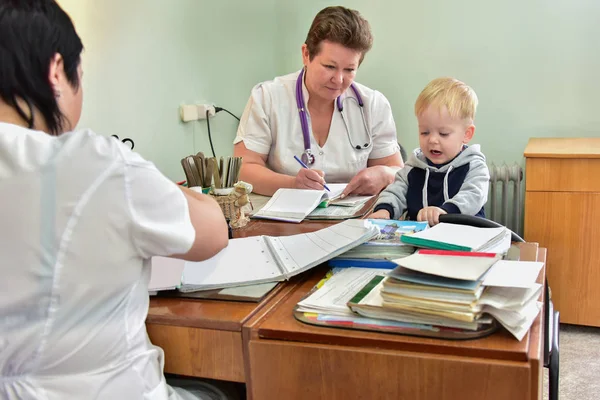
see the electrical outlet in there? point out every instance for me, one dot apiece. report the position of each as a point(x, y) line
point(201, 109)
point(188, 112)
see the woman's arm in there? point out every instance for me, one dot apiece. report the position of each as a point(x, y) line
point(265, 181)
point(209, 224)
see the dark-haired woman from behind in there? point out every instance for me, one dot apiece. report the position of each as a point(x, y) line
point(81, 217)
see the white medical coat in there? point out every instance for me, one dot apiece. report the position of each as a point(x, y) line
point(270, 125)
point(80, 216)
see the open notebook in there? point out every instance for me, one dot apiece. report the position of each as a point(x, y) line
point(293, 205)
point(260, 259)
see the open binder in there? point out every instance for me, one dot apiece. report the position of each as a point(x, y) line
point(260, 259)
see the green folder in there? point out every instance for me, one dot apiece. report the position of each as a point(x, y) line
point(367, 289)
point(432, 244)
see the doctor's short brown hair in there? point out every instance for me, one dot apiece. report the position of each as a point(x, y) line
point(339, 25)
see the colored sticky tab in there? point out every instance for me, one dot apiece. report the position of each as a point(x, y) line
point(323, 204)
point(456, 253)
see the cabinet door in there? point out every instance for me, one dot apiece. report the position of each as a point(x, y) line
point(568, 225)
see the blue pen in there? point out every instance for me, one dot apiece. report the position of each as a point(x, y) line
point(306, 166)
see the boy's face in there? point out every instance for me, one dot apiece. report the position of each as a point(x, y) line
point(441, 137)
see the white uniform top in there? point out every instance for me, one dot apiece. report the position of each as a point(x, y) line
point(80, 217)
point(271, 125)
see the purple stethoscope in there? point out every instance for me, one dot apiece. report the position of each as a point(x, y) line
point(307, 156)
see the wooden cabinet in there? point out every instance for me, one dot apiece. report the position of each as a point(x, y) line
point(291, 360)
point(562, 213)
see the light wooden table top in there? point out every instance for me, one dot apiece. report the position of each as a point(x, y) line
point(563, 148)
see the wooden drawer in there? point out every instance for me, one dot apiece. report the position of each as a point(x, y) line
point(562, 175)
point(289, 370)
point(198, 352)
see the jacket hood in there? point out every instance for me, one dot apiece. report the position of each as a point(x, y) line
point(418, 160)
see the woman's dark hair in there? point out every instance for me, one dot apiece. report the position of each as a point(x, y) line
point(339, 25)
point(31, 33)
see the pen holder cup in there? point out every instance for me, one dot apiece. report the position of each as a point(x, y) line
point(226, 202)
point(200, 189)
point(227, 206)
point(221, 195)
point(222, 191)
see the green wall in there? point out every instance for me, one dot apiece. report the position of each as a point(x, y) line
point(534, 65)
point(144, 58)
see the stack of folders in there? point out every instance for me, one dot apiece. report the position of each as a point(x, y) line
point(454, 289)
point(386, 246)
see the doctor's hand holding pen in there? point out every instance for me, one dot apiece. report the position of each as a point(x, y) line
point(308, 178)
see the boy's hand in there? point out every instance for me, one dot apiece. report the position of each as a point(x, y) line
point(430, 214)
point(380, 214)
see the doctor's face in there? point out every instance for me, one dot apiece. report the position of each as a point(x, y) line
point(331, 71)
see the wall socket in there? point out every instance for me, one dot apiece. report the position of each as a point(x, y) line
point(203, 108)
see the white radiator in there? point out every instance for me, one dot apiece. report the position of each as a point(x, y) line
point(504, 200)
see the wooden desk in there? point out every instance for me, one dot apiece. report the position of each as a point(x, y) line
point(562, 213)
point(203, 338)
point(291, 360)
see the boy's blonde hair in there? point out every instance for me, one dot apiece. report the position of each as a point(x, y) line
point(460, 100)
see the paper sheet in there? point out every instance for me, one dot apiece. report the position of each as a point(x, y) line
point(166, 273)
point(297, 253)
point(510, 298)
point(519, 274)
point(454, 267)
point(243, 261)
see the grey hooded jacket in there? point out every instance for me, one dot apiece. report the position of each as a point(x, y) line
point(460, 186)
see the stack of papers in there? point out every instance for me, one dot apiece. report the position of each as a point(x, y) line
point(332, 297)
point(456, 289)
point(445, 236)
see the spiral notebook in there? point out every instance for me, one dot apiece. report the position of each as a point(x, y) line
point(260, 259)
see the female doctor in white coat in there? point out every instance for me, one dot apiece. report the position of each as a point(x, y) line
point(81, 217)
point(341, 130)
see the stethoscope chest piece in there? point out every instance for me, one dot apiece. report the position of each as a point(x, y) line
point(308, 157)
